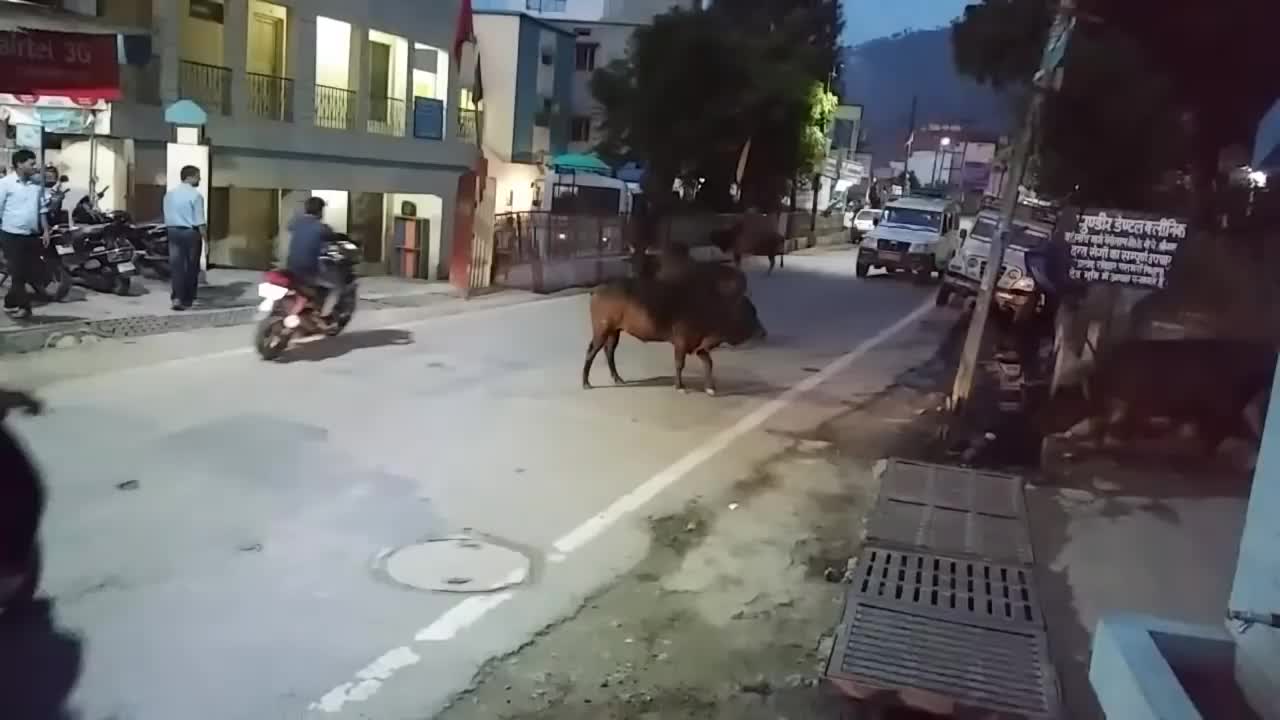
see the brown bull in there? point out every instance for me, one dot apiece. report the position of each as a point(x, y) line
point(751, 236)
point(693, 316)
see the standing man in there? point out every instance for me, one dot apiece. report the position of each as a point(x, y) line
point(184, 222)
point(21, 228)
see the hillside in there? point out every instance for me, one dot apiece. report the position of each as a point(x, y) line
point(883, 74)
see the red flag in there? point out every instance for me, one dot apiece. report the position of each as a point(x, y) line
point(466, 30)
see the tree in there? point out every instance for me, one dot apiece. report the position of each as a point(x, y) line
point(1198, 79)
point(695, 87)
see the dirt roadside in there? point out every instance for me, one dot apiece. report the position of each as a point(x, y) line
point(731, 613)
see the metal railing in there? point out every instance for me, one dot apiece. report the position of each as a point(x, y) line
point(386, 116)
point(208, 85)
point(270, 97)
point(470, 124)
point(521, 237)
point(335, 108)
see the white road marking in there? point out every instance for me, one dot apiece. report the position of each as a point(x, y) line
point(370, 680)
point(468, 612)
point(638, 497)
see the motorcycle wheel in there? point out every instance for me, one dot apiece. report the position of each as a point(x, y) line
point(271, 338)
point(345, 310)
point(121, 285)
point(61, 282)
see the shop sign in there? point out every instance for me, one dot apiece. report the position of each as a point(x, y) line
point(428, 118)
point(1120, 247)
point(60, 102)
point(75, 65)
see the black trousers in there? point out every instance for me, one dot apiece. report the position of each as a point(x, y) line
point(184, 264)
point(21, 253)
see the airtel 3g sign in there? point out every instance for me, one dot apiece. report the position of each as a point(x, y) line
point(52, 63)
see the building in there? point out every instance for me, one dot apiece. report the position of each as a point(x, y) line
point(528, 91)
point(952, 156)
point(354, 102)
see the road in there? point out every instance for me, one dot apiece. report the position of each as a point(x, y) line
point(217, 524)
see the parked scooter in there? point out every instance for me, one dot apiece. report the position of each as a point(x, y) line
point(96, 253)
point(292, 311)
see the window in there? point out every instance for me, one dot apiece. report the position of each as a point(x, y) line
point(585, 59)
point(912, 217)
point(580, 130)
point(545, 5)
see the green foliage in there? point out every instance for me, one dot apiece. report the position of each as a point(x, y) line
point(696, 86)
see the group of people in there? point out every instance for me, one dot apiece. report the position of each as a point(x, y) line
point(27, 196)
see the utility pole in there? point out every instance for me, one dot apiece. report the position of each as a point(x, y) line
point(1054, 52)
point(911, 136)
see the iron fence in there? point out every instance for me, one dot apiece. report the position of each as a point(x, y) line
point(271, 97)
point(207, 85)
point(335, 108)
point(527, 236)
point(470, 123)
point(386, 116)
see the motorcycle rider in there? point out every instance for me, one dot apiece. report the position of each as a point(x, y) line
point(308, 236)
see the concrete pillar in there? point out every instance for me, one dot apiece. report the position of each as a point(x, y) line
point(358, 75)
point(235, 51)
point(408, 92)
point(300, 64)
point(167, 18)
point(448, 211)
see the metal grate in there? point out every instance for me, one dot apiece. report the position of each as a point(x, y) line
point(953, 487)
point(949, 532)
point(929, 663)
point(964, 590)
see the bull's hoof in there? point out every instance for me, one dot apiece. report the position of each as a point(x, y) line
point(682, 389)
point(619, 381)
point(586, 386)
point(711, 391)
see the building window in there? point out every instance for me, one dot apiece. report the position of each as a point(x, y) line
point(586, 57)
point(580, 130)
point(545, 5)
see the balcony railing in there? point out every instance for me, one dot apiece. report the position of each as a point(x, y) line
point(271, 97)
point(386, 116)
point(208, 85)
point(470, 123)
point(335, 108)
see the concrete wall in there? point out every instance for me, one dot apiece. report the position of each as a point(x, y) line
point(1257, 582)
point(202, 41)
point(611, 40)
point(497, 36)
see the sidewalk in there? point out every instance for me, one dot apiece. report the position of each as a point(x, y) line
point(229, 298)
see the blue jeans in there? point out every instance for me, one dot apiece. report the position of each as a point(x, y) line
point(184, 264)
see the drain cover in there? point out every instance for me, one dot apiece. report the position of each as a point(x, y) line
point(457, 564)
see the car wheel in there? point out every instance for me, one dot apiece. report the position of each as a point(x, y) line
point(861, 269)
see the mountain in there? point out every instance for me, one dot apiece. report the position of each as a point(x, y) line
point(882, 75)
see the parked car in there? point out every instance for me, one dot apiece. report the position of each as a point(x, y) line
point(864, 222)
point(1015, 288)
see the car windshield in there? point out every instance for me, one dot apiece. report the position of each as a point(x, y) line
point(867, 215)
point(913, 217)
point(1022, 236)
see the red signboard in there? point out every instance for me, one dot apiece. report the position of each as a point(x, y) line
point(52, 63)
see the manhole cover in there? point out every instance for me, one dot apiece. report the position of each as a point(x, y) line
point(457, 564)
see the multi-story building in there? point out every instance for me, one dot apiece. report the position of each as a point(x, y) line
point(601, 29)
point(357, 102)
point(528, 89)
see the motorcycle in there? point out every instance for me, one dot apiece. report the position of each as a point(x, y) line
point(51, 281)
point(23, 504)
point(294, 311)
point(97, 253)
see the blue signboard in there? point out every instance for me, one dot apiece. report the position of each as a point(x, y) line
point(428, 118)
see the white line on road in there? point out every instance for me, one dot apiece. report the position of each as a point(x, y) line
point(468, 612)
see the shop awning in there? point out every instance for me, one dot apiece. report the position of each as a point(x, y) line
point(45, 51)
point(578, 162)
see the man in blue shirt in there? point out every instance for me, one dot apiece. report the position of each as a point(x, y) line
point(21, 229)
point(184, 224)
point(308, 234)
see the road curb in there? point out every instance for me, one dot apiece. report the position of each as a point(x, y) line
point(84, 332)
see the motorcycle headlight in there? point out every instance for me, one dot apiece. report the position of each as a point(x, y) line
point(1026, 284)
point(1013, 274)
point(974, 263)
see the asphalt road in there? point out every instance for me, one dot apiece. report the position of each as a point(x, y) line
point(216, 522)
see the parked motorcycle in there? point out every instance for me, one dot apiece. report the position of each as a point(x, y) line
point(51, 281)
point(293, 311)
point(97, 252)
point(21, 505)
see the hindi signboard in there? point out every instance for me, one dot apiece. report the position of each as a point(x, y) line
point(1123, 248)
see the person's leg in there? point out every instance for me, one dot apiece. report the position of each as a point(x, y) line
point(177, 265)
point(193, 265)
point(18, 251)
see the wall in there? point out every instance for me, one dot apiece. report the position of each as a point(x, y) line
point(251, 229)
point(1257, 581)
point(336, 208)
point(611, 40)
point(562, 93)
point(112, 169)
point(498, 37)
point(514, 181)
point(202, 40)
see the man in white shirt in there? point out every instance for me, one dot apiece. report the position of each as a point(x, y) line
point(184, 222)
point(21, 229)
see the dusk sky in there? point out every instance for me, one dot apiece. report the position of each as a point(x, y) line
point(869, 19)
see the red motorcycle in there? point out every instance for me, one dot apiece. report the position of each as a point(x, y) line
point(291, 310)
